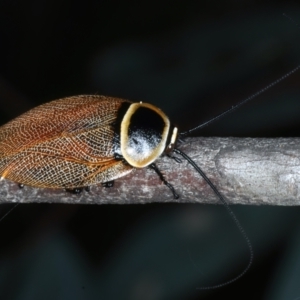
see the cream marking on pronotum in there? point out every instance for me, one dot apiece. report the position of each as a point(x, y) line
point(97, 139)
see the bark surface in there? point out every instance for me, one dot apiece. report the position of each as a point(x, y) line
point(245, 171)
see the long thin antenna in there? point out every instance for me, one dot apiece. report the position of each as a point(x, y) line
point(234, 107)
point(232, 215)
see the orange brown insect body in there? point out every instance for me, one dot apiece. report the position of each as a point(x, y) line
point(80, 141)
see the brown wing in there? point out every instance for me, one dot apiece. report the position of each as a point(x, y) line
point(64, 143)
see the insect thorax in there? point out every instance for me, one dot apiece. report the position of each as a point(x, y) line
point(144, 132)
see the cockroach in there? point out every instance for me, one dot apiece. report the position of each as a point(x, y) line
point(76, 142)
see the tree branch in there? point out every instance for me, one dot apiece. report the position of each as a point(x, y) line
point(245, 171)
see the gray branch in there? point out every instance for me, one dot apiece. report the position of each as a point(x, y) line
point(245, 171)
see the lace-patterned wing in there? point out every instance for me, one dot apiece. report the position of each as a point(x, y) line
point(64, 143)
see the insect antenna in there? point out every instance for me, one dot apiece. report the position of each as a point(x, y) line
point(234, 107)
point(232, 215)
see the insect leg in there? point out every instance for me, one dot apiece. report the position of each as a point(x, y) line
point(74, 191)
point(162, 178)
point(78, 190)
point(108, 184)
point(177, 159)
point(9, 211)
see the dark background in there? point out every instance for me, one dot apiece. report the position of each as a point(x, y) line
point(193, 59)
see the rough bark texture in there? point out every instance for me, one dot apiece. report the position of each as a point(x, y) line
point(245, 171)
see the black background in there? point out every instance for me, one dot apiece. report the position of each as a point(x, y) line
point(193, 59)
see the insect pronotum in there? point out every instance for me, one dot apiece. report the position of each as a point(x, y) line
point(76, 142)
